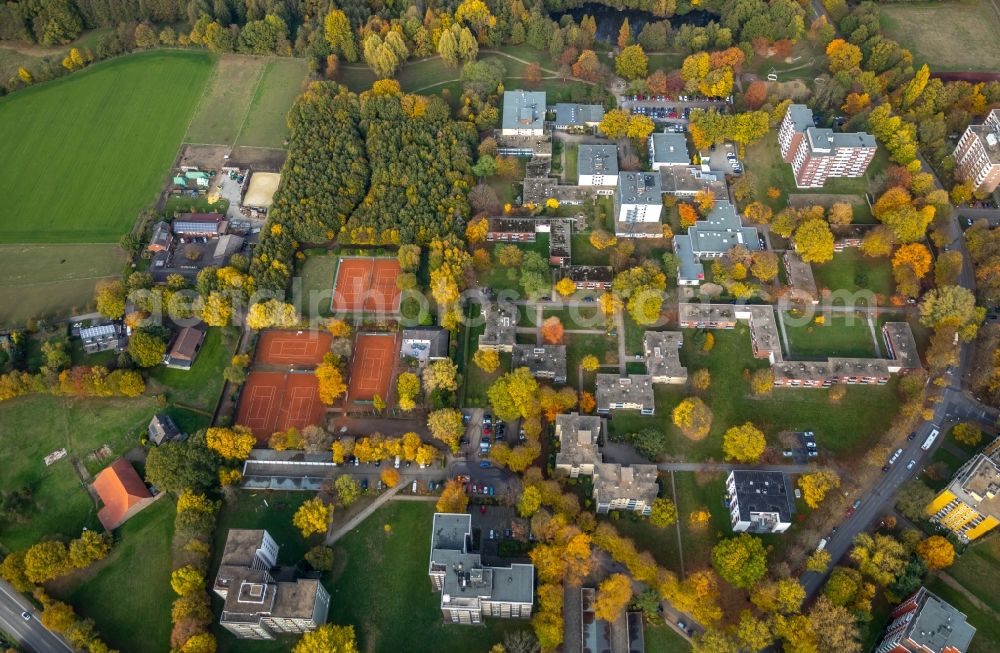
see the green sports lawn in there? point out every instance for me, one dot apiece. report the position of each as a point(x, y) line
point(84, 154)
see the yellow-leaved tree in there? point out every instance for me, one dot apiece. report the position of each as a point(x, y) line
point(488, 360)
point(328, 638)
point(693, 417)
point(613, 594)
point(815, 486)
point(330, 380)
point(313, 516)
point(233, 443)
point(744, 443)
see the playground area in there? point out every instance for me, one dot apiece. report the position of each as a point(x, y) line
point(305, 348)
point(276, 401)
point(372, 366)
point(366, 284)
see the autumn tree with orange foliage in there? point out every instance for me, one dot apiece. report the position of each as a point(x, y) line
point(688, 215)
point(756, 94)
point(705, 199)
point(587, 402)
point(856, 102)
point(552, 330)
point(909, 265)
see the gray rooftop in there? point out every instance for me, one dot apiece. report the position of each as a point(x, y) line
point(662, 353)
point(639, 188)
point(989, 135)
point(764, 330)
point(560, 235)
point(938, 626)
point(634, 228)
point(425, 342)
point(449, 531)
point(722, 230)
point(801, 117)
point(800, 276)
point(823, 141)
point(578, 114)
point(669, 147)
point(763, 492)
point(500, 325)
point(899, 337)
point(977, 482)
point(699, 312)
point(597, 160)
point(542, 360)
point(241, 547)
point(688, 180)
point(523, 109)
point(689, 268)
point(578, 438)
point(539, 189)
point(614, 481)
point(584, 273)
point(633, 389)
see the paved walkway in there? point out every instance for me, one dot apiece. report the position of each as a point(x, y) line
point(876, 348)
point(335, 534)
point(677, 522)
point(620, 326)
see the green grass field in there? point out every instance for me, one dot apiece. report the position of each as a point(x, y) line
point(32, 427)
point(852, 271)
point(978, 569)
point(199, 387)
point(87, 152)
point(138, 567)
point(316, 279)
point(953, 36)
point(224, 106)
point(380, 585)
point(843, 430)
point(50, 280)
point(837, 336)
point(266, 123)
point(570, 154)
point(663, 639)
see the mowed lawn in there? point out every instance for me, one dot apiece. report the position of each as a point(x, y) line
point(224, 106)
point(380, 585)
point(838, 335)
point(852, 272)
point(199, 387)
point(38, 280)
point(267, 123)
point(84, 154)
point(313, 287)
point(128, 593)
point(32, 427)
point(952, 36)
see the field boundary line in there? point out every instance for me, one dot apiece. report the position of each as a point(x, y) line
point(253, 98)
point(45, 283)
point(197, 107)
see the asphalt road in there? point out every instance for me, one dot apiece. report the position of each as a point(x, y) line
point(30, 635)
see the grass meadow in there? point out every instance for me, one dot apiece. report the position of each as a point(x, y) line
point(42, 280)
point(199, 387)
point(34, 426)
point(952, 36)
point(223, 107)
point(266, 120)
point(87, 152)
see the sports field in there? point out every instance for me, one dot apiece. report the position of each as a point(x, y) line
point(276, 401)
point(371, 367)
point(224, 106)
point(947, 36)
point(266, 123)
point(366, 284)
point(84, 154)
point(42, 280)
point(292, 347)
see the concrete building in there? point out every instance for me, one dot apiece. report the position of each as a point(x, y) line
point(970, 506)
point(686, 181)
point(511, 230)
point(263, 600)
point(711, 238)
point(818, 154)
point(925, 623)
point(667, 150)
point(536, 148)
point(539, 189)
point(597, 165)
point(706, 316)
point(977, 155)
point(523, 113)
point(469, 590)
point(577, 115)
point(426, 344)
point(902, 347)
point(588, 277)
point(633, 392)
point(544, 361)
point(759, 502)
point(579, 437)
point(638, 205)
point(560, 242)
point(764, 340)
point(661, 350)
point(500, 326)
point(625, 487)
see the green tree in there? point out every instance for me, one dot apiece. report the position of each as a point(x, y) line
point(632, 63)
point(740, 560)
point(339, 36)
point(664, 513)
point(177, 466)
point(348, 490)
point(146, 348)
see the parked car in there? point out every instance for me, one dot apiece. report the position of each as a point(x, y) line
point(482, 509)
point(485, 463)
point(364, 484)
point(912, 435)
point(493, 534)
point(490, 489)
point(787, 453)
point(413, 488)
point(911, 464)
point(26, 615)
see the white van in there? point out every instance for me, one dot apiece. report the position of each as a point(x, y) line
point(396, 464)
point(822, 545)
point(413, 488)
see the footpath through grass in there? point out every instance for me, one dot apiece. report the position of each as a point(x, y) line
point(87, 152)
point(128, 593)
point(34, 426)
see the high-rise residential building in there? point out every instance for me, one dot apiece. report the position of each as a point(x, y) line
point(970, 505)
point(924, 623)
point(817, 154)
point(977, 155)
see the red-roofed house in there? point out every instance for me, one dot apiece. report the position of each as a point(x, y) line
point(122, 492)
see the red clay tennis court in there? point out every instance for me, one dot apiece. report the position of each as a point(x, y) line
point(276, 401)
point(293, 347)
point(371, 367)
point(366, 284)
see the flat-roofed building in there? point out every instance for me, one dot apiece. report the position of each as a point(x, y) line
point(817, 154)
point(686, 181)
point(471, 591)
point(661, 351)
point(800, 278)
point(706, 316)
point(577, 115)
point(638, 205)
point(503, 229)
point(534, 147)
point(977, 155)
point(759, 502)
point(588, 277)
point(625, 487)
point(902, 347)
point(597, 165)
point(764, 338)
point(544, 361)
point(711, 238)
point(969, 506)
point(668, 149)
point(633, 392)
point(924, 623)
point(428, 343)
point(579, 437)
point(499, 326)
point(802, 374)
point(560, 239)
point(523, 113)
point(859, 371)
point(538, 190)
